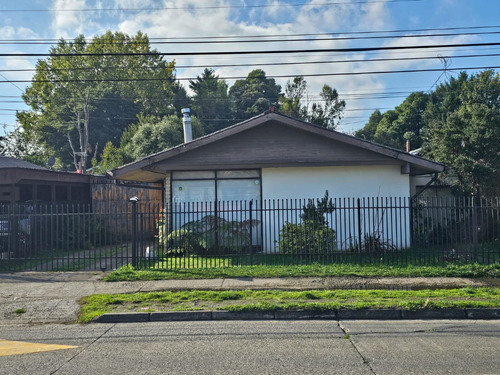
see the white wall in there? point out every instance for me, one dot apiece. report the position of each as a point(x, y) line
point(380, 216)
point(345, 181)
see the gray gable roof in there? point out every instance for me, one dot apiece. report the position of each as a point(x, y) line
point(8, 162)
point(272, 140)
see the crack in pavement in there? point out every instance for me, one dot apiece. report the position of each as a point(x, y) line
point(348, 336)
point(83, 348)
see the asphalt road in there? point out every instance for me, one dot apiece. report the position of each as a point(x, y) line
point(256, 347)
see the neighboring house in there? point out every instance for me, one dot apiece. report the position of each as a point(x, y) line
point(33, 186)
point(21, 181)
point(274, 157)
point(428, 185)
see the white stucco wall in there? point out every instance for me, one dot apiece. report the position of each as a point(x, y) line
point(345, 181)
point(380, 217)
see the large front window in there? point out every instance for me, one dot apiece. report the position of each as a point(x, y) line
point(216, 186)
point(221, 206)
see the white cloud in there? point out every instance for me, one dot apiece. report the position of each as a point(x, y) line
point(188, 18)
point(374, 16)
point(293, 20)
point(14, 33)
point(129, 4)
point(20, 32)
point(68, 23)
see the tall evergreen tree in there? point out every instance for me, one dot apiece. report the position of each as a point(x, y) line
point(211, 101)
point(463, 131)
point(368, 131)
point(253, 95)
point(403, 124)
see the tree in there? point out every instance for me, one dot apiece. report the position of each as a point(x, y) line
point(368, 131)
point(330, 112)
point(253, 95)
point(463, 131)
point(86, 93)
point(148, 136)
point(210, 101)
point(19, 145)
point(155, 136)
point(291, 102)
point(395, 127)
point(327, 114)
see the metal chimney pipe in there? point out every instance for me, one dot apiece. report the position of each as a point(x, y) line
point(186, 122)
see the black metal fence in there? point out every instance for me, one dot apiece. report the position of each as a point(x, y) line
point(225, 234)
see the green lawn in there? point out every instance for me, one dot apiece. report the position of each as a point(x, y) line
point(317, 300)
point(472, 270)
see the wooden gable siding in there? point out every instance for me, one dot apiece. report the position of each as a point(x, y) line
point(271, 145)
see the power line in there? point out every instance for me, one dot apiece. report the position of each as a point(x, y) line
point(266, 77)
point(359, 95)
point(152, 40)
point(211, 7)
point(371, 32)
point(310, 39)
point(256, 52)
point(117, 68)
point(13, 84)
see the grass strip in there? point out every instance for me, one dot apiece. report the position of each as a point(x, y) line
point(469, 270)
point(246, 300)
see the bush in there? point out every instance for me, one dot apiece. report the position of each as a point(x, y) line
point(209, 235)
point(80, 231)
point(183, 242)
point(307, 238)
point(313, 235)
point(373, 243)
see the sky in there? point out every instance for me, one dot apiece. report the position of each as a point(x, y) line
point(366, 80)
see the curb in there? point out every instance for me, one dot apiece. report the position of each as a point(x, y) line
point(342, 314)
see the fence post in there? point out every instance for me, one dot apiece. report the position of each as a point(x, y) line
point(360, 245)
point(411, 217)
point(134, 201)
point(250, 248)
point(474, 227)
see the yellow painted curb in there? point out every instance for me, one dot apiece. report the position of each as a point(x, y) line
point(21, 347)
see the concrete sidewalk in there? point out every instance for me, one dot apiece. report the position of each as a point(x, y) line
point(53, 297)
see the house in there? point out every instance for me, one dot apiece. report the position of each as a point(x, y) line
point(428, 185)
point(29, 188)
point(21, 181)
point(276, 157)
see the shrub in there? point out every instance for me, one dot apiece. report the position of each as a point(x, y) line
point(306, 238)
point(81, 231)
point(315, 212)
point(313, 235)
point(183, 242)
point(373, 243)
point(209, 235)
